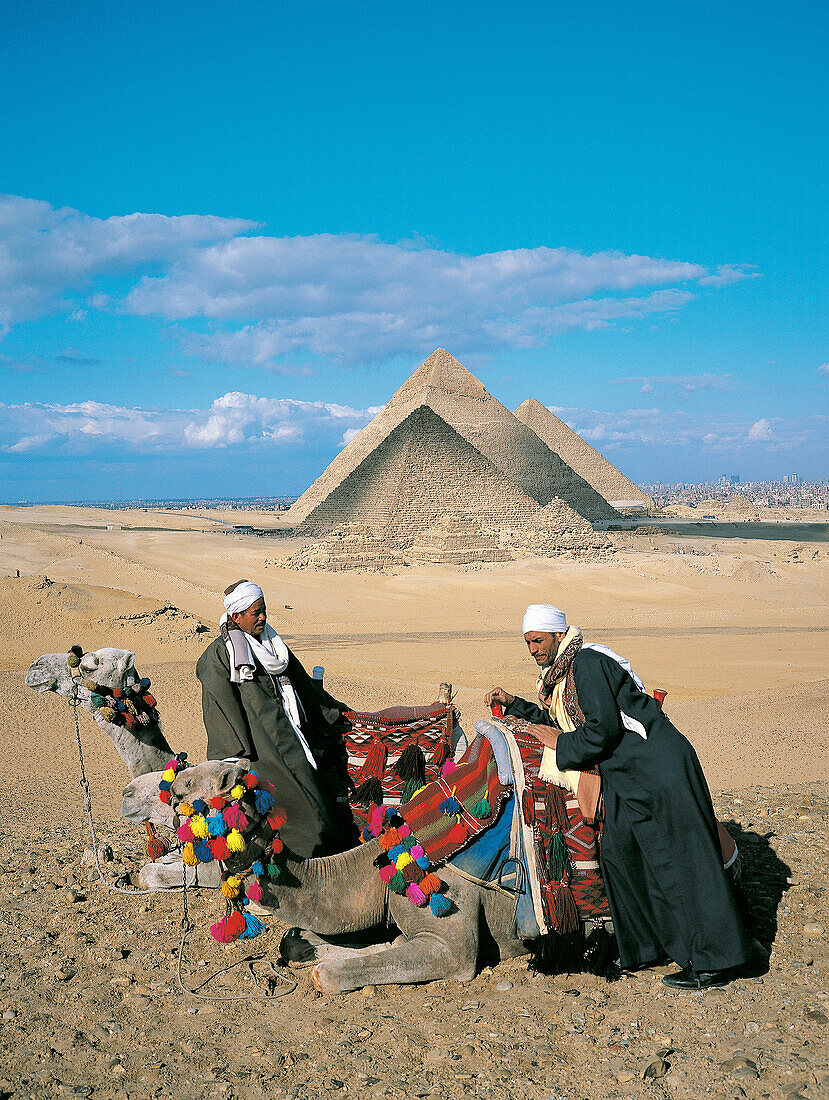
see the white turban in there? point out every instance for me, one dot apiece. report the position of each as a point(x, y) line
point(242, 596)
point(545, 618)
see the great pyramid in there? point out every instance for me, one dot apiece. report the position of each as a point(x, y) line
point(578, 454)
point(446, 387)
point(420, 471)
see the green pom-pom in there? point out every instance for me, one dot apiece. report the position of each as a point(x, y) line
point(273, 869)
point(398, 883)
point(557, 861)
point(482, 810)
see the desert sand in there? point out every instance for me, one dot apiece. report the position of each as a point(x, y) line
point(734, 630)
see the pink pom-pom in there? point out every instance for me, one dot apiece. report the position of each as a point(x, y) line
point(416, 851)
point(235, 818)
point(415, 894)
point(448, 768)
point(388, 872)
point(254, 891)
point(185, 833)
point(403, 830)
point(377, 820)
point(219, 931)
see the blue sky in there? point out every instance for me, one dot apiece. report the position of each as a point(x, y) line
point(230, 231)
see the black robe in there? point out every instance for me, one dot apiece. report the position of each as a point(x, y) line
point(248, 720)
point(660, 854)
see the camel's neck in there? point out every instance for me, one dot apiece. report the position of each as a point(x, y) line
point(341, 893)
point(139, 757)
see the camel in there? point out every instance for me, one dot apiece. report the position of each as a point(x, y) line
point(340, 894)
point(142, 752)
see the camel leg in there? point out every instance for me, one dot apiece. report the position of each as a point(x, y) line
point(302, 948)
point(424, 958)
point(166, 873)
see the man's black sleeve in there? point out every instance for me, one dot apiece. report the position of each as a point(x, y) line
point(530, 712)
point(597, 682)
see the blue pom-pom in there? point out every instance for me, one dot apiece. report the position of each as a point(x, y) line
point(202, 850)
point(396, 851)
point(200, 806)
point(263, 801)
point(216, 825)
point(367, 835)
point(258, 868)
point(423, 862)
point(450, 806)
point(163, 785)
point(439, 904)
point(253, 926)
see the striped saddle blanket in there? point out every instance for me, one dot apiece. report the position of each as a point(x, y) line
point(393, 753)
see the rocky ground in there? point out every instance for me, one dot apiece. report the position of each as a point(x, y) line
point(90, 1004)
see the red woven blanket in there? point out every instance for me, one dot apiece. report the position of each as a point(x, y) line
point(393, 753)
point(583, 872)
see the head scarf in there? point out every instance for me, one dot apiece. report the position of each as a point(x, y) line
point(545, 618)
point(242, 596)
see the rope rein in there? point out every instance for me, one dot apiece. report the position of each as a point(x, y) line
point(187, 926)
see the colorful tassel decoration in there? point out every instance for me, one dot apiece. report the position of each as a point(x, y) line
point(185, 809)
point(416, 851)
point(263, 801)
point(231, 886)
point(235, 924)
point(156, 847)
point(235, 818)
point(218, 803)
point(258, 868)
point(273, 869)
point(412, 873)
point(411, 764)
point(255, 891)
point(276, 846)
point(422, 861)
point(369, 792)
point(403, 860)
point(439, 904)
point(219, 931)
point(430, 884)
point(396, 851)
point(202, 850)
point(415, 894)
point(198, 826)
point(482, 810)
point(450, 806)
point(557, 858)
point(388, 872)
point(200, 806)
point(185, 833)
point(250, 779)
point(253, 926)
point(235, 841)
point(448, 768)
point(398, 883)
point(277, 819)
point(458, 835)
point(219, 848)
point(439, 754)
point(216, 825)
point(189, 856)
point(164, 796)
point(375, 762)
point(237, 792)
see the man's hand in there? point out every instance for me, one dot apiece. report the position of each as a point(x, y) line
point(498, 695)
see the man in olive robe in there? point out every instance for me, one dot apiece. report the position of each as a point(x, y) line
point(259, 703)
point(660, 853)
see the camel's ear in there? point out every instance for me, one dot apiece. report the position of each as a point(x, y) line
point(227, 778)
point(89, 662)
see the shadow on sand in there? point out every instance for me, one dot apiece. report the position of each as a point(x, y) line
point(763, 882)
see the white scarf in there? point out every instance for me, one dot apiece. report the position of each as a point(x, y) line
point(272, 654)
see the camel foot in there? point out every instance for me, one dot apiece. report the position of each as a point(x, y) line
point(300, 947)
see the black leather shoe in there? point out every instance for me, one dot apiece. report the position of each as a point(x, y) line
point(698, 980)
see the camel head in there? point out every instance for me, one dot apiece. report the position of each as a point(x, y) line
point(112, 668)
point(141, 803)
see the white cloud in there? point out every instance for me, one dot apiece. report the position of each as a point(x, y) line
point(239, 297)
point(729, 273)
point(823, 368)
point(625, 430)
point(760, 432)
point(234, 420)
point(679, 383)
point(47, 254)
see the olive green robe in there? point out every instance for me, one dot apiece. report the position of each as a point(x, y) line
point(248, 720)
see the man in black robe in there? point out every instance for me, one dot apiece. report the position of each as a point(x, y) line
point(660, 854)
point(259, 703)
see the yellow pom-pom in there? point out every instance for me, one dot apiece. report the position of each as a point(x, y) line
point(198, 826)
point(238, 791)
point(168, 775)
point(403, 860)
point(235, 841)
point(107, 713)
point(185, 809)
point(234, 880)
point(229, 890)
point(189, 856)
